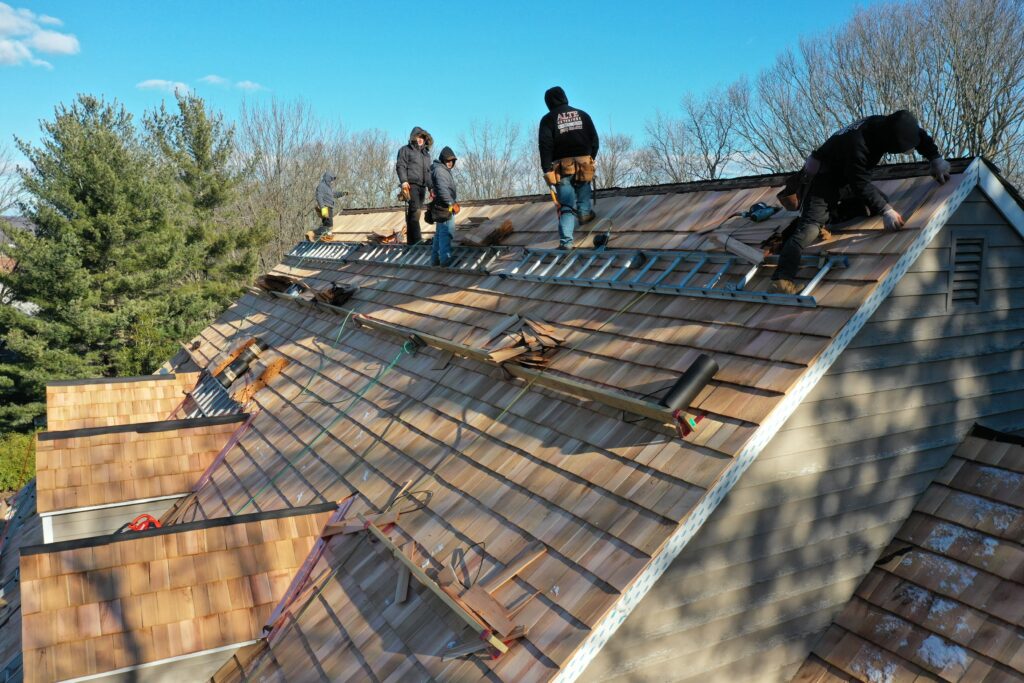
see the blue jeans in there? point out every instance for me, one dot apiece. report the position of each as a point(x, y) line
point(441, 248)
point(575, 199)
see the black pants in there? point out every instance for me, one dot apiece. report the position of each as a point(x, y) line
point(417, 193)
point(815, 215)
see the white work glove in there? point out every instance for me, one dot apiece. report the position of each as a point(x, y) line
point(891, 219)
point(940, 170)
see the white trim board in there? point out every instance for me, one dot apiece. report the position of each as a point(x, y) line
point(632, 596)
point(105, 506)
point(159, 662)
point(993, 187)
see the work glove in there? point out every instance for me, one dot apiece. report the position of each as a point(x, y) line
point(551, 178)
point(405, 186)
point(405, 194)
point(456, 208)
point(891, 219)
point(940, 170)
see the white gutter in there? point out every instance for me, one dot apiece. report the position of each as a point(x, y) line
point(632, 596)
point(159, 662)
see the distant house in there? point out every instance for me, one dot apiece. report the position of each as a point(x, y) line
point(465, 473)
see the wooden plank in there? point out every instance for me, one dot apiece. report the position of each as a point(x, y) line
point(349, 526)
point(489, 609)
point(422, 577)
point(610, 398)
point(523, 559)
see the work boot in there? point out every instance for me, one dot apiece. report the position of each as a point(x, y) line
point(785, 287)
point(587, 218)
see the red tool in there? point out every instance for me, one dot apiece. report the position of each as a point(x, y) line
point(144, 522)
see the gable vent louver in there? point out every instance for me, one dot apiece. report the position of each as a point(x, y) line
point(968, 263)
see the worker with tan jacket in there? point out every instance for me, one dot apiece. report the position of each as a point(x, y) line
point(568, 144)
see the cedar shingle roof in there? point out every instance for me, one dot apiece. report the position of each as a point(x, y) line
point(116, 601)
point(946, 599)
point(79, 404)
point(507, 463)
point(103, 465)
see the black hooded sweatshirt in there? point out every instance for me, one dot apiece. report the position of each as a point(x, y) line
point(564, 131)
point(413, 165)
point(849, 155)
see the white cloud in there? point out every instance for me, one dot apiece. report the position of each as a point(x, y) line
point(249, 85)
point(161, 84)
point(22, 36)
point(214, 79)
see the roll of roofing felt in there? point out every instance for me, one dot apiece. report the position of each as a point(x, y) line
point(690, 383)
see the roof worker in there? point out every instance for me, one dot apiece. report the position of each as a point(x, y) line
point(840, 170)
point(325, 196)
point(413, 168)
point(443, 207)
point(568, 144)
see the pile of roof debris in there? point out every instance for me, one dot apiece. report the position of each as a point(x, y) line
point(334, 294)
point(529, 342)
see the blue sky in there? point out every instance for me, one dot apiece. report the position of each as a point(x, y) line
point(393, 65)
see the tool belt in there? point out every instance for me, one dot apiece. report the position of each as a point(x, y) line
point(437, 212)
point(580, 168)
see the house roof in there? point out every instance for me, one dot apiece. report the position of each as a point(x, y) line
point(103, 465)
point(21, 527)
point(946, 598)
point(110, 602)
point(80, 404)
point(506, 463)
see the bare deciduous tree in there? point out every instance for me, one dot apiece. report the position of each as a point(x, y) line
point(616, 163)
point(494, 161)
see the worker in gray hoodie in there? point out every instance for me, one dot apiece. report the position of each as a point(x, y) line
point(443, 207)
point(325, 196)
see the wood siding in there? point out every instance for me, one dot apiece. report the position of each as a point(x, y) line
point(763, 579)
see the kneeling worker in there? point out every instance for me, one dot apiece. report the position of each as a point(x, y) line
point(568, 145)
point(443, 207)
point(841, 170)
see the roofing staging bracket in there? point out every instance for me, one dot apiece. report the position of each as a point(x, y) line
point(690, 273)
point(614, 399)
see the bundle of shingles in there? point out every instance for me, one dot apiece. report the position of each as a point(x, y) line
point(385, 236)
point(527, 341)
point(481, 231)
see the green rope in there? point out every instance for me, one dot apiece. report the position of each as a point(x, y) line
point(323, 361)
point(407, 348)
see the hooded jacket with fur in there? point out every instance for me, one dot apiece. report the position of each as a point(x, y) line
point(848, 156)
point(565, 131)
point(413, 165)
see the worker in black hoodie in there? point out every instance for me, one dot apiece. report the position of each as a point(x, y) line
point(413, 168)
point(568, 144)
point(841, 170)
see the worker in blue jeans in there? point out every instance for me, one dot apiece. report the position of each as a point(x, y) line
point(443, 207)
point(568, 143)
point(575, 201)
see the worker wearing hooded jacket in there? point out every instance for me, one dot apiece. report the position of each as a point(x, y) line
point(325, 196)
point(841, 170)
point(443, 207)
point(568, 144)
point(413, 168)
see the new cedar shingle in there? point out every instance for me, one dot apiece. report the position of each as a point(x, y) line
point(157, 604)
